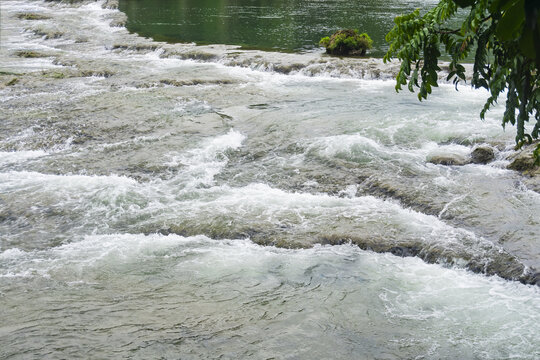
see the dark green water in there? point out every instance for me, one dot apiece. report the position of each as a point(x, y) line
point(283, 25)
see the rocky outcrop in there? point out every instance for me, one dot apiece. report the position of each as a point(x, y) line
point(32, 16)
point(110, 4)
point(448, 159)
point(347, 42)
point(524, 162)
point(482, 154)
point(29, 54)
point(489, 261)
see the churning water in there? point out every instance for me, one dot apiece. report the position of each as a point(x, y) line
point(185, 202)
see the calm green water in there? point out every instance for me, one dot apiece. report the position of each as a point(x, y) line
point(285, 25)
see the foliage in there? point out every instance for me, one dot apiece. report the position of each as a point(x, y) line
point(345, 42)
point(502, 35)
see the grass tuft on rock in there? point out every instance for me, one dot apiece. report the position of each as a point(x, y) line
point(347, 42)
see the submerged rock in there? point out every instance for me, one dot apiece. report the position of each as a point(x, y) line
point(524, 161)
point(110, 4)
point(48, 33)
point(191, 82)
point(29, 54)
point(32, 16)
point(118, 19)
point(12, 82)
point(489, 261)
point(98, 73)
point(482, 154)
point(448, 159)
point(136, 47)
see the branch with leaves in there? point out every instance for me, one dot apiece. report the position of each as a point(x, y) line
point(503, 36)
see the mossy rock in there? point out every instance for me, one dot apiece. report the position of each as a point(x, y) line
point(524, 161)
point(482, 155)
point(347, 42)
point(448, 160)
point(29, 54)
point(32, 16)
point(12, 82)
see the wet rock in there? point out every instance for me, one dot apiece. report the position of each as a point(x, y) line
point(448, 159)
point(12, 82)
point(136, 47)
point(69, 1)
point(384, 190)
point(29, 54)
point(118, 23)
point(81, 39)
point(97, 73)
point(81, 138)
point(491, 261)
point(64, 62)
point(32, 16)
point(48, 34)
point(288, 68)
point(482, 155)
point(191, 82)
point(192, 55)
point(118, 19)
point(405, 251)
point(110, 4)
point(56, 74)
point(347, 42)
point(524, 161)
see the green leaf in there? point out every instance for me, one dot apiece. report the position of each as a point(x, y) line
point(499, 5)
point(536, 154)
point(526, 44)
point(464, 3)
point(511, 21)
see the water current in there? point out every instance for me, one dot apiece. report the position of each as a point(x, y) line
point(177, 201)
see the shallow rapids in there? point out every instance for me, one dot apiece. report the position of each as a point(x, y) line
point(178, 201)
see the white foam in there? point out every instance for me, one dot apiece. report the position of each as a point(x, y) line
point(201, 164)
point(29, 178)
point(431, 301)
point(13, 157)
point(12, 253)
point(192, 107)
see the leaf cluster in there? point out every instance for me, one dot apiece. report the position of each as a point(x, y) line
point(503, 36)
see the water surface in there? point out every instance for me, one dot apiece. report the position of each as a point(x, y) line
point(285, 25)
point(179, 201)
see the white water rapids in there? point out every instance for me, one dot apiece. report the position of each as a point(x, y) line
point(182, 202)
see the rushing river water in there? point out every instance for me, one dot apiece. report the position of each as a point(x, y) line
point(197, 202)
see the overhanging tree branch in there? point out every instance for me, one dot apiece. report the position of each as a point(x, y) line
point(505, 35)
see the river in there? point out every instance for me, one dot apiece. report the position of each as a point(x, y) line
point(176, 201)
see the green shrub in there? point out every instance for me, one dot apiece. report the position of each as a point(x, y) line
point(325, 41)
point(347, 42)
